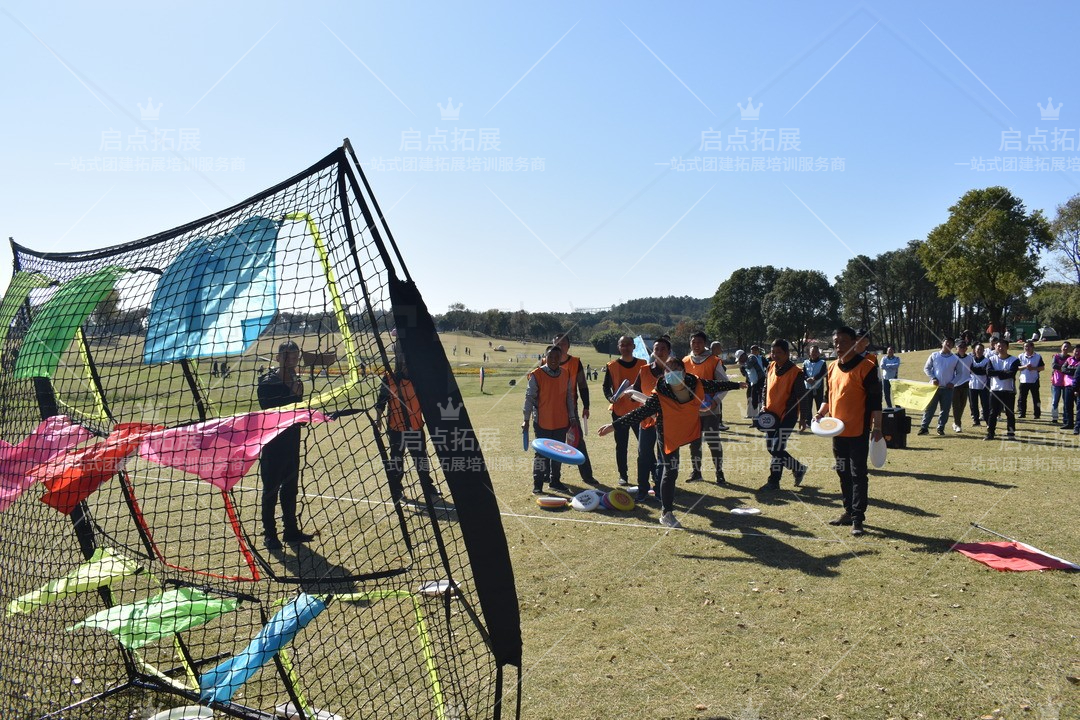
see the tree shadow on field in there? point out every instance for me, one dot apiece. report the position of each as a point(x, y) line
point(762, 543)
point(931, 477)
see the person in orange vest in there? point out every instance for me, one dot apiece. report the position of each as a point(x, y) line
point(786, 397)
point(702, 364)
point(853, 396)
point(579, 386)
point(674, 402)
point(550, 397)
point(648, 465)
point(625, 367)
point(397, 401)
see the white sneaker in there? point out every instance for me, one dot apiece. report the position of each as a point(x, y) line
point(668, 520)
point(955, 427)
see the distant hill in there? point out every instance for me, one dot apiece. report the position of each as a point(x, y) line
point(668, 310)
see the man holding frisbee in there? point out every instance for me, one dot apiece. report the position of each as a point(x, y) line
point(647, 461)
point(674, 402)
point(702, 364)
point(623, 368)
point(785, 398)
point(578, 385)
point(551, 397)
point(853, 396)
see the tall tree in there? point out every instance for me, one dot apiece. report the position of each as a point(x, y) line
point(736, 306)
point(987, 252)
point(1066, 231)
point(858, 289)
point(801, 303)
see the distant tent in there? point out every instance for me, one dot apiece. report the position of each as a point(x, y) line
point(59, 319)
point(217, 296)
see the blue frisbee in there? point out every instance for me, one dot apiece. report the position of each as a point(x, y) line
point(558, 451)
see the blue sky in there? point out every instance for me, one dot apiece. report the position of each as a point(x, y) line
point(595, 100)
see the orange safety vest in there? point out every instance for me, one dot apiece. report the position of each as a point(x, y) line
point(403, 395)
point(551, 412)
point(648, 384)
point(847, 395)
point(778, 388)
point(682, 424)
point(617, 372)
point(702, 371)
point(572, 366)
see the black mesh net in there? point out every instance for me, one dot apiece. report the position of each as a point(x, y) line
point(179, 414)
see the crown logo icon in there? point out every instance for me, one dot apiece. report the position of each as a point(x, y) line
point(150, 112)
point(450, 112)
point(448, 411)
point(750, 112)
point(1050, 112)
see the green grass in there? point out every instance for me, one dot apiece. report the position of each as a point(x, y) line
point(780, 615)
point(772, 616)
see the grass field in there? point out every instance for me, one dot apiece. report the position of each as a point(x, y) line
point(780, 615)
point(777, 615)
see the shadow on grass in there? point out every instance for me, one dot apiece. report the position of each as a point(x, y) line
point(759, 545)
point(942, 478)
point(812, 495)
point(315, 573)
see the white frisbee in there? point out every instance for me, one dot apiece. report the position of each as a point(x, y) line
point(188, 712)
point(878, 452)
point(619, 391)
point(437, 588)
point(637, 396)
point(587, 500)
point(827, 427)
point(745, 511)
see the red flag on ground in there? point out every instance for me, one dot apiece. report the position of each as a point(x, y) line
point(1013, 556)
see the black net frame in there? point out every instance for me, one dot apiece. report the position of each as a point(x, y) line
point(418, 614)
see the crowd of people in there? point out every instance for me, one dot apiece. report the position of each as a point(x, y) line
point(682, 406)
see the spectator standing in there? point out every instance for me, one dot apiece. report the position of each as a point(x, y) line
point(1057, 379)
point(943, 369)
point(978, 389)
point(890, 370)
point(960, 390)
point(1031, 366)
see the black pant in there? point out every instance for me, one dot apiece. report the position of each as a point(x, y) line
point(546, 469)
point(280, 468)
point(959, 403)
point(977, 398)
point(622, 439)
point(415, 443)
point(710, 434)
point(757, 390)
point(850, 454)
point(1031, 389)
point(776, 443)
point(1001, 401)
point(647, 463)
point(817, 395)
point(1068, 396)
point(667, 481)
point(586, 467)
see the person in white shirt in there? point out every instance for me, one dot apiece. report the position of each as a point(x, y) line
point(960, 389)
point(1002, 374)
point(944, 371)
point(1031, 365)
point(890, 370)
point(813, 368)
point(978, 390)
